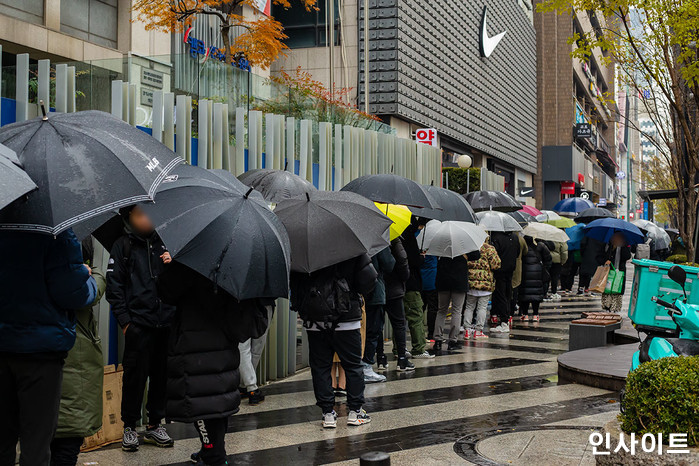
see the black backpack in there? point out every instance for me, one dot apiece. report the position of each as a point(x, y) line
point(322, 298)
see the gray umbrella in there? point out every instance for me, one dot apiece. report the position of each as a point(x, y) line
point(453, 207)
point(326, 228)
point(276, 185)
point(492, 200)
point(14, 182)
point(661, 239)
point(392, 189)
point(224, 230)
point(492, 220)
point(593, 213)
point(522, 217)
point(85, 164)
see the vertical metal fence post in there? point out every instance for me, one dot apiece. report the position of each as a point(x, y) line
point(22, 87)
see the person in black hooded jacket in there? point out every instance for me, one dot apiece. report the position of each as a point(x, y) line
point(507, 246)
point(202, 355)
point(136, 260)
point(536, 265)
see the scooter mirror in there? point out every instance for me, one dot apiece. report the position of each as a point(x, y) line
point(678, 275)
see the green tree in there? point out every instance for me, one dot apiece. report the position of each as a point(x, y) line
point(654, 44)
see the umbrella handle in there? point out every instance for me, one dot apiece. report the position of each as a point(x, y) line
point(43, 111)
point(248, 193)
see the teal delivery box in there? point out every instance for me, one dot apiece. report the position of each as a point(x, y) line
point(650, 279)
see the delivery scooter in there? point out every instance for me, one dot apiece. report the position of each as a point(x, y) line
point(685, 316)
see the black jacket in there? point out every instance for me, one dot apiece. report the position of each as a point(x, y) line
point(507, 247)
point(396, 279)
point(203, 356)
point(383, 263)
point(415, 258)
point(535, 272)
point(593, 255)
point(452, 274)
point(134, 266)
point(358, 272)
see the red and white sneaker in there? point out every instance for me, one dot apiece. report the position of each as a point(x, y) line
point(478, 334)
point(524, 318)
point(494, 320)
point(535, 318)
point(468, 334)
point(509, 323)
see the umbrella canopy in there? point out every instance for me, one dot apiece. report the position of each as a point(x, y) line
point(522, 217)
point(497, 221)
point(452, 206)
point(85, 164)
point(533, 211)
point(576, 235)
point(547, 215)
point(451, 238)
point(561, 222)
point(276, 185)
point(14, 182)
point(392, 189)
point(224, 231)
point(326, 228)
point(492, 200)
point(588, 215)
point(661, 240)
point(572, 206)
point(604, 228)
point(399, 215)
point(546, 232)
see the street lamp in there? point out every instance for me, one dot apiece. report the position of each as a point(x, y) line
point(464, 161)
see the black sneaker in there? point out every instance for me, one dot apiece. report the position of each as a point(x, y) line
point(382, 362)
point(404, 365)
point(243, 393)
point(255, 398)
point(129, 441)
point(453, 345)
point(194, 457)
point(158, 436)
point(437, 346)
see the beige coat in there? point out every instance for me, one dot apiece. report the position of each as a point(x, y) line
point(517, 275)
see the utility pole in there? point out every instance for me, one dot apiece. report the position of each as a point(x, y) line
point(366, 56)
point(331, 13)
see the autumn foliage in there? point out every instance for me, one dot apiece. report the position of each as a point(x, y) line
point(259, 38)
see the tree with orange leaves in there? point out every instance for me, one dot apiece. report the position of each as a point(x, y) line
point(261, 42)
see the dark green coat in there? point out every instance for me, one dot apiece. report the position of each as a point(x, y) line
point(80, 412)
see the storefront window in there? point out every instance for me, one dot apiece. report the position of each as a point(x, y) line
point(306, 28)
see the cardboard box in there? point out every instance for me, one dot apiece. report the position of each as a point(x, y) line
point(112, 427)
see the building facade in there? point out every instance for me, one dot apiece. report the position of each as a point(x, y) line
point(577, 121)
point(480, 104)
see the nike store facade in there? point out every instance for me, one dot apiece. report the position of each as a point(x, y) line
point(464, 68)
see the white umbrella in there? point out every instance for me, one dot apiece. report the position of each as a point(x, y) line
point(491, 220)
point(660, 237)
point(451, 238)
point(545, 232)
point(547, 215)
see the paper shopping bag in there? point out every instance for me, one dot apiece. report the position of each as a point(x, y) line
point(599, 279)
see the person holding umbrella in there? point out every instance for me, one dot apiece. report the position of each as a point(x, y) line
point(136, 260)
point(414, 313)
point(535, 273)
point(481, 284)
point(384, 263)
point(617, 254)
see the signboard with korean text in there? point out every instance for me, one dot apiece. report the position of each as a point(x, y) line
point(427, 136)
point(583, 130)
point(152, 78)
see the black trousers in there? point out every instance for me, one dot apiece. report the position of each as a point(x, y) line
point(30, 392)
point(65, 451)
point(568, 273)
point(395, 310)
point(145, 359)
point(430, 304)
point(584, 281)
point(524, 307)
point(374, 332)
point(502, 297)
point(212, 434)
point(513, 301)
point(555, 277)
point(322, 345)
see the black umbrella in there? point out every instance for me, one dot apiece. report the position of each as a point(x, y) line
point(326, 228)
point(276, 185)
point(223, 230)
point(14, 182)
point(452, 207)
point(492, 200)
point(593, 213)
point(392, 189)
point(522, 217)
point(85, 164)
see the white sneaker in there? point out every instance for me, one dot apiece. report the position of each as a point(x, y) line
point(502, 328)
point(330, 420)
point(372, 377)
point(556, 297)
point(462, 329)
point(424, 355)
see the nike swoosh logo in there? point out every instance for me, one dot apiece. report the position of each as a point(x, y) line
point(525, 192)
point(488, 44)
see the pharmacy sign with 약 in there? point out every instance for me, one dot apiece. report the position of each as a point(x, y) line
point(427, 136)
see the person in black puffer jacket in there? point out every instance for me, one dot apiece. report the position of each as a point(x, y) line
point(395, 308)
point(202, 356)
point(535, 274)
point(507, 246)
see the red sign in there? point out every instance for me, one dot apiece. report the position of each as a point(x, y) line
point(426, 136)
point(581, 178)
point(567, 187)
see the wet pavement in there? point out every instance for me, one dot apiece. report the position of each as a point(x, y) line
point(497, 401)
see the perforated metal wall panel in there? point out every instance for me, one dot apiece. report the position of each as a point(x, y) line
point(425, 66)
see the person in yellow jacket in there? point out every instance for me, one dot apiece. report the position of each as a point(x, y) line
point(481, 284)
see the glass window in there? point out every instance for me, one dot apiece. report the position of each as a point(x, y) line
point(306, 28)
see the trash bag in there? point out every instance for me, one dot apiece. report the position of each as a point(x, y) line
point(599, 280)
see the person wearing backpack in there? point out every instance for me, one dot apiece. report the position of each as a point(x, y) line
point(535, 273)
point(137, 259)
point(329, 301)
